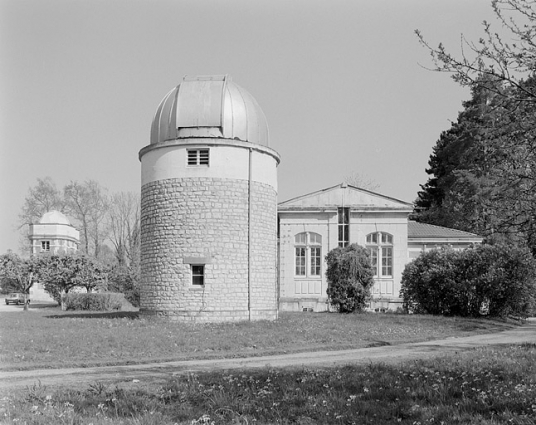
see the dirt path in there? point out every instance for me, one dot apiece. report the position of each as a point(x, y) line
point(156, 372)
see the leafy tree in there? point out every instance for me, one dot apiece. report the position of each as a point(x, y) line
point(350, 277)
point(91, 274)
point(62, 272)
point(127, 281)
point(18, 273)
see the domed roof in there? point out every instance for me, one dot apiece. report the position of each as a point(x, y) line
point(54, 217)
point(209, 106)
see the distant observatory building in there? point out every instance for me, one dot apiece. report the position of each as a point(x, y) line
point(209, 207)
point(54, 233)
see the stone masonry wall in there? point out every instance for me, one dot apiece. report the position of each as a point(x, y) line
point(188, 221)
point(264, 298)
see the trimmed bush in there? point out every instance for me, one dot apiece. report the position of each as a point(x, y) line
point(350, 277)
point(498, 280)
point(105, 301)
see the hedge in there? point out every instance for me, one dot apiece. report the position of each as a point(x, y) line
point(94, 301)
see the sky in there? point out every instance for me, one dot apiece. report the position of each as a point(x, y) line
point(344, 85)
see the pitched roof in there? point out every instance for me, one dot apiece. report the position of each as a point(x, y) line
point(344, 195)
point(429, 231)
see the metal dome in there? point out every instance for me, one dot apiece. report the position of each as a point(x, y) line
point(209, 106)
point(54, 217)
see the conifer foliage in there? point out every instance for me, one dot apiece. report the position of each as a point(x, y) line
point(483, 169)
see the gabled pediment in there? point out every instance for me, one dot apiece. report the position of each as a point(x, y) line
point(344, 195)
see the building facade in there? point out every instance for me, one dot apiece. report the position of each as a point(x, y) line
point(311, 225)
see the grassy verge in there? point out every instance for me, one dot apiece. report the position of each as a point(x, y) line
point(50, 338)
point(483, 386)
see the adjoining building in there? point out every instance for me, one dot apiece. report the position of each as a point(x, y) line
point(311, 225)
point(209, 206)
point(54, 234)
point(211, 227)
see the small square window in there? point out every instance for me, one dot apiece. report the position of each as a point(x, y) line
point(198, 275)
point(45, 245)
point(198, 157)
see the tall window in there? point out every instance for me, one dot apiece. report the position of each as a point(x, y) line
point(380, 246)
point(344, 226)
point(198, 157)
point(308, 254)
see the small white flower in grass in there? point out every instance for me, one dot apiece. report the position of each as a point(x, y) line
point(135, 380)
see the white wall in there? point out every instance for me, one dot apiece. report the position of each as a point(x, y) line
point(228, 160)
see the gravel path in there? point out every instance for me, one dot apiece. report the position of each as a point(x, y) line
point(155, 372)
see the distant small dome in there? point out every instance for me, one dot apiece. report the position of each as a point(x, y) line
point(54, 217)
point(209, 106)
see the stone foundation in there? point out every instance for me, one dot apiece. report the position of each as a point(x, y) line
point(204, 221)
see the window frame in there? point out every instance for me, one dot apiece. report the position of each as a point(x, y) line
point(343, 226)
point(300, 253)
point(381, 249)
point(45, 246)
point(196, 274)
point(308, 250)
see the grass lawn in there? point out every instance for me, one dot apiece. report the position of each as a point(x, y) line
point(483, 387)
point(50, 338)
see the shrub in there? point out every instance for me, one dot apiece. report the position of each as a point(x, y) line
point(104, 301)
point(429, 283)
point(126, 280)
point(350, 277)
point(497, 278)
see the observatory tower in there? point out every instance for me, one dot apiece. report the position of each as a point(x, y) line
point(208, 206)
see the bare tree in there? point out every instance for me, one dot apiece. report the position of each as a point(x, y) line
point(124, 220)
point(362, 181)
point(88, 204)
point(497, 59)
point(41, 198)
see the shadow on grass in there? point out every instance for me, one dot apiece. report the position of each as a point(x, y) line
point(43, 305)
point(96, 315)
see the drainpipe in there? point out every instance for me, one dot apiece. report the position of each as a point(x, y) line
point(249, 233)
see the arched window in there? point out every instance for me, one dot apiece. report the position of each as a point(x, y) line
point(308, 254)
point(380, 246)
